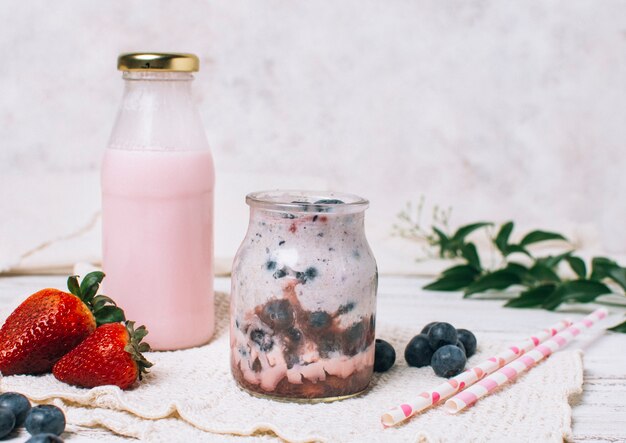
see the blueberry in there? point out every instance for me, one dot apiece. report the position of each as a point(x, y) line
point(448, 361)
point(328, 201)
point(459, 344)
point(384, 356)
point(18, 404)
point(418, 352)
point(270, 265)
point(469, 341)
point(262, 339)
point(45, 419)
point(7, 421)
point(426, 328)
point(277, 314)
point(441, 334)
point(44, 438)
point(319, 319)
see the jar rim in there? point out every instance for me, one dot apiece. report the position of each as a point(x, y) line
point(307, 201)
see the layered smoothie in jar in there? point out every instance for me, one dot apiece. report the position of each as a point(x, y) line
point(304, 297)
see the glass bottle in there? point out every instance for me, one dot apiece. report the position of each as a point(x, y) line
point(303, 300)
point(157, 203)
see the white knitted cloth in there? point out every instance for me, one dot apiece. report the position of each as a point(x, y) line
point(190, 396)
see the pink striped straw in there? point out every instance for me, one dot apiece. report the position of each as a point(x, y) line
point(467, 378)
point(523, 363)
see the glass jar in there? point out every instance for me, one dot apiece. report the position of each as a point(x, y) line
point(157, 203)
point(303, 300)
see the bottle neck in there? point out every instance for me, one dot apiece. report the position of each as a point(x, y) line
point(158, 113)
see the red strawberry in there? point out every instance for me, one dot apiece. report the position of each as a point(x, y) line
point(50, 323)
point(109, 356)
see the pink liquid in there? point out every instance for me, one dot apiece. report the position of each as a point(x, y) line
point(158, 242)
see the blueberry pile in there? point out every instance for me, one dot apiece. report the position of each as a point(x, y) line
point(45, 423)
point(441, 346)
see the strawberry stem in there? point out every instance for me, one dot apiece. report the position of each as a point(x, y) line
point(135, 347)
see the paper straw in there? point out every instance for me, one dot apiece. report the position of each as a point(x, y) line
point(523, 363)
point(470, 376)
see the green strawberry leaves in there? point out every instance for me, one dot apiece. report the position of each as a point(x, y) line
point(102, 307)
point(74, 286)
point(109, 314)
point(136, 347)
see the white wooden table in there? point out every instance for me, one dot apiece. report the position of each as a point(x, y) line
point(599, 415)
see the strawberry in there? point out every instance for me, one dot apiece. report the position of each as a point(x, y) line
point(50, 323)
point(109, 356)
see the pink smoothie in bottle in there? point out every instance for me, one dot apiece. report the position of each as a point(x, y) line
point(157, 206)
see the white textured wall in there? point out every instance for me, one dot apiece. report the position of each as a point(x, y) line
point(500, 109)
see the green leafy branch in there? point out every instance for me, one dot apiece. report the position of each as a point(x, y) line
point(538, 278)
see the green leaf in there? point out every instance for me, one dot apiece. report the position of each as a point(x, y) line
point(600, 266)
point(603, 267)
point(452, 282)
point(543, 274)
point(461, 270)
point(532, 298)
point(618, 275)
point(539, 236)
point(581, 291)
point(109, 314)
point(510, 249)
point(578, 266)
point(470, 254)
point(464, 231)
point(99, 301)
point(619, 328)
point(140, 333)
point(444, 241)
point(519, 269)
point(90, 284)
point(500, 279)
point(73, 286)
point(552, 261)
point(502, 239)
point(144, 347)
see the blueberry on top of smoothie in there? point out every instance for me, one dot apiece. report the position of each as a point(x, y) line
point(329, 201)
point(270, 265)
point(277, 314)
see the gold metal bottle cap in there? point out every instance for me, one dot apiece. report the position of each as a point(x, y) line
point(157, 61)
